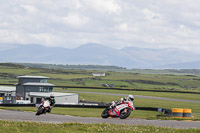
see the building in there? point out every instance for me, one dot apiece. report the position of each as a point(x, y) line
point(7, 95)
point(99, 74)
point(29, 84)
point(32, 89)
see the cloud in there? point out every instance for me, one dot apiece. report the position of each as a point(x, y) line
point(115, 23)
point(105, 6)
point(75, 20)
point(29, 8)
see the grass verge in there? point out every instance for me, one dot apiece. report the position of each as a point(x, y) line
point(24, 127)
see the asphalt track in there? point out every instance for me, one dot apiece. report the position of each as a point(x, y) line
point(137, 96)
point(52, 118)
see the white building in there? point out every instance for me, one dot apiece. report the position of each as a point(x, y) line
point(99, 74)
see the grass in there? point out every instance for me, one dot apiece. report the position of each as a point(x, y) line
point(142, 102)
point(67, 77)
point(195, 97)
point(24, 127)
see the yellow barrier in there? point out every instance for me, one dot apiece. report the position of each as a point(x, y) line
point(177, 113)
point(187, 113)
point(181, 113)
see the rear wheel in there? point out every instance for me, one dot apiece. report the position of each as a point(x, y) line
point(105, 113)
point(125, 113)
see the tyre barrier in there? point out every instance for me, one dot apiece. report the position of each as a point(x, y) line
point(181, 113)
point(177, 113)
point(187, 113)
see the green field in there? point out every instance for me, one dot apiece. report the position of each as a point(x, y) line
point(25, 127)
point(67, 77)
point(195, 97)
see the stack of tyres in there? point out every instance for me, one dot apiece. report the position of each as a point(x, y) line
point(187, 113)
point(177, 113)
point(181, 113)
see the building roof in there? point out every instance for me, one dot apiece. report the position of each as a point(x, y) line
point(37, 84)
point(27, 76)
point(7, 88)
point(47, 94)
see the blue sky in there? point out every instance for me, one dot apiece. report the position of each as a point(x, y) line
point(113, 23)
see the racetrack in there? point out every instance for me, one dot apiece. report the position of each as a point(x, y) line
point(52, 118)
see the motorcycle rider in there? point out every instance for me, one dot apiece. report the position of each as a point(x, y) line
point(130, 100)
point(52, 102)
point(125, 100)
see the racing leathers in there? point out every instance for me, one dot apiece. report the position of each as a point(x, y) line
point(123, 101)
point(52, 103)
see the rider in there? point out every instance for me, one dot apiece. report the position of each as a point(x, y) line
point(52, 102)
point(130, 100)
point(125, 100)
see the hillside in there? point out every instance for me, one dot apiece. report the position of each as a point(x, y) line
point(96, 54)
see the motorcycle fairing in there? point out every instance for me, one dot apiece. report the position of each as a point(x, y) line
point(46, 103)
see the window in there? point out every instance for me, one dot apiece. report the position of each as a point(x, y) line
point(8, 98)
point(31, 99)
point(41, 89)
point(44, 89)
point(43, 81)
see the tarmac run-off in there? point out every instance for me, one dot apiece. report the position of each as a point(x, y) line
point(52, 118)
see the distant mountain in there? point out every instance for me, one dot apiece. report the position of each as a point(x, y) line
point(156, 58)
point(96, 54)
point(185, 65)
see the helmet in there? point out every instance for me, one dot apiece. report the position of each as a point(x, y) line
point(51, 96)
point(131, 97)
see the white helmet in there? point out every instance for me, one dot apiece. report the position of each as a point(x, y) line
point(131, 97)
point(52, 96)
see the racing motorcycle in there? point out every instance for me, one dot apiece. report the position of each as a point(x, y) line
point(123, 110)
point(43, 107)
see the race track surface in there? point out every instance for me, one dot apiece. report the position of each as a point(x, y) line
point(52, 118)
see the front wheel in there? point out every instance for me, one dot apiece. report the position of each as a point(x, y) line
point(39, 111)
point(125, 113)
point(105, 113)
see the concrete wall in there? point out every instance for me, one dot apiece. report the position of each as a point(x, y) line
point(73, 99)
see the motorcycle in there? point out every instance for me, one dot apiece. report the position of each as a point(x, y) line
point(43, 107)
point(122, 111)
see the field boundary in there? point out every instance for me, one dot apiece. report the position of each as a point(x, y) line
point(90, 87)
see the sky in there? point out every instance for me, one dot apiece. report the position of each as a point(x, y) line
point(114, 23)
